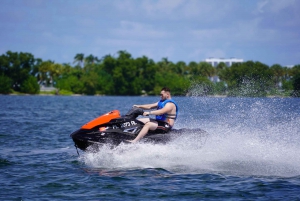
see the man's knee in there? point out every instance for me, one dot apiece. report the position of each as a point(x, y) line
point(147, 124)
point(151, 125)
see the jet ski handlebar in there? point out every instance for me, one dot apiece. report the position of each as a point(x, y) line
point(134, 112)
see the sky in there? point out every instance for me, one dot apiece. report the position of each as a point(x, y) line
point(180, 30)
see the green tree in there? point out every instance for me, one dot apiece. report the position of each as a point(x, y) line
point(109, 63)
point(296, 81)
point(146, 73)
point(105, 83)
point(248, 79)
point(164, 65)
point(30, 86)
point(125, 75)
point(200, 86)
point(91, 59)
point(204, 69)
point(294, 71)
point(17, 66)
point(287, 85)
point(277, 73)
point(48, 72)
point(5, 84)
point(191, 66)
point(178, 84)
point(219, 88)
point(180, 68)
point(70, 79)
point(220, 68)
point(79, 59)
point(90, 82)
point(71, 83)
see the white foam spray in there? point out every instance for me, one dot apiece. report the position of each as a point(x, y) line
point(246, 137)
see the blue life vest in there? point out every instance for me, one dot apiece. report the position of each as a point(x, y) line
point(162, 104)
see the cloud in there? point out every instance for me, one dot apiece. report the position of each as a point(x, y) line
point(86, 23)
point(207, 11)
point(280, 21)
point(135, 30)
point(208, 34)
point(261, 5)
point(218, 53)
point(161, 7)
point(60, 40)
point(177, 29)
point(277, 6)
point(128, 6)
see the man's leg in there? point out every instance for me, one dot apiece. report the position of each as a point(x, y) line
point(148, 126)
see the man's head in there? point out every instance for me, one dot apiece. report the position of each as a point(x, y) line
point(165, 93)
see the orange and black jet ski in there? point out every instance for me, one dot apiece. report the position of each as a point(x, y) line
point(112, 128)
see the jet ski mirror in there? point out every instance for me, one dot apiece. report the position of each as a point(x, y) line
point(134, 112)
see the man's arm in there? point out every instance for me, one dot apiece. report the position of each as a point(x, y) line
point(168, 108)
point(147, 106)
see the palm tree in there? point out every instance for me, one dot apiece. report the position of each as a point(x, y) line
point(207, 70)
point(221, 66)
point(181, 68)
point(44, 72)
point(90, 59)
point(164, 64)
point(123, 54)
point(79, 58)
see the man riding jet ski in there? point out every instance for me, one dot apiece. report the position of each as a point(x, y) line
point(112, 128)
point(166, 114)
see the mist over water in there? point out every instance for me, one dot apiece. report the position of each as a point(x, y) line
point(246, 136)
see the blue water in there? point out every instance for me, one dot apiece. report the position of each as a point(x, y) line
point(252, 151)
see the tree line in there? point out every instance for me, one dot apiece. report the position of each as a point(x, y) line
point(124, 75)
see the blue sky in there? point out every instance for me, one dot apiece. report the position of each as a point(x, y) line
point(181, 30)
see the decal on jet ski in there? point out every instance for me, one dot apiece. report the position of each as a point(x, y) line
point(129, 123)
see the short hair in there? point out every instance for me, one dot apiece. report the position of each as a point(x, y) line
point(166, 89)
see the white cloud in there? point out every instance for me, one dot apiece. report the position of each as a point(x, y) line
point(208, 34)
point(242, 32)
point(128, 6)
point(40, 51)
point(157, 52)
point(261, 5)
point(192, 9)
point(129, 29)
point(177, 29)
point(161, 7)
point(86, 23)
point(219, 53)
point(206, 11)
point(274, 6)
point(197, 53)
point(60, 40)
point(278, 5)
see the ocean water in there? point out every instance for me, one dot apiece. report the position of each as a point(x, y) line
point(251, 152)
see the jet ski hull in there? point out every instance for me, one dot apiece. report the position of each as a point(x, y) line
point(113, 129)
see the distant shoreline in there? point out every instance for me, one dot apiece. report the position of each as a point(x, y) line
point(209, 96)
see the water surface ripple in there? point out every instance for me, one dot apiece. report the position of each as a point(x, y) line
point(252, 151)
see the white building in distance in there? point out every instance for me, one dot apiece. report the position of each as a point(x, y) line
point(215, 61)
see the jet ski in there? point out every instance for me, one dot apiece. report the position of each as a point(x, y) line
point(112, 129)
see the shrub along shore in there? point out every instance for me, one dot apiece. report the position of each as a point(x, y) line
point(122, 75)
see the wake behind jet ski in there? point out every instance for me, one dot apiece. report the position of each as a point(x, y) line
point(112, 128)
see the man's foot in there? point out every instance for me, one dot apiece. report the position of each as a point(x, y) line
point(130, 141)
